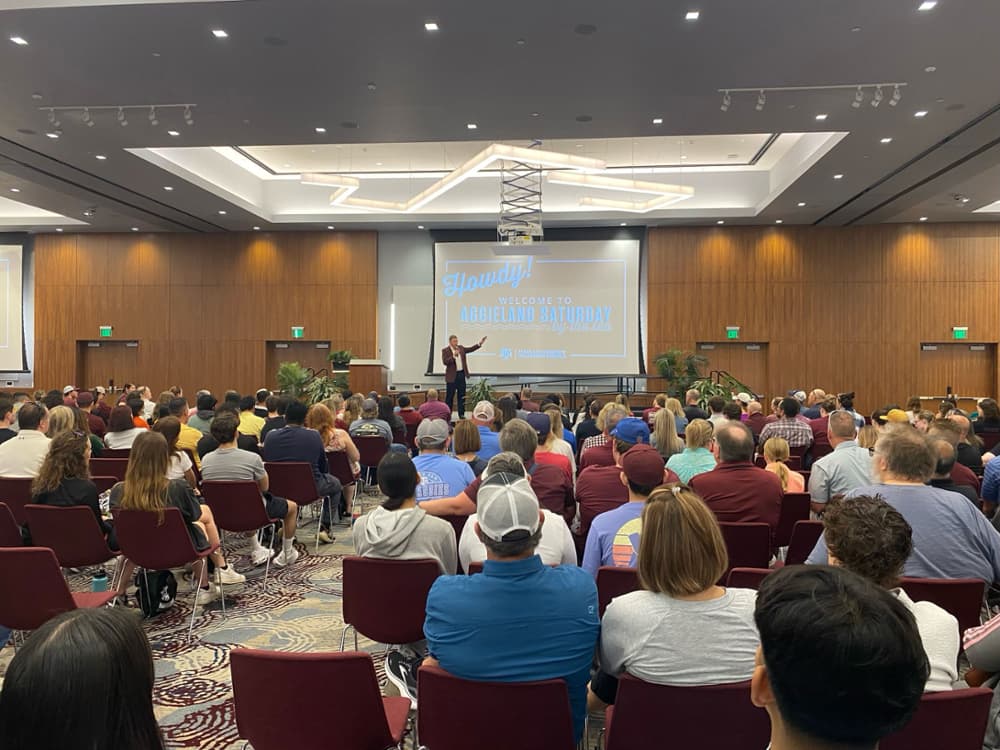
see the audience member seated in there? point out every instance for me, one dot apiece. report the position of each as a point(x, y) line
point(869, 537)
point(944, 451)
point(85, 402)
point(137, 406)
point(557, 441)
point(796, 431)
point(692, 410)
point(526, 404)
point(664, 435)
point(814, 403)
point(819, 425)
point(202, 419)
point(104, 687)
point(294, 443)
point(208, 443)
point(467, 446)
point(260, 405)
point(556, 545)
point(229, 463)
point(180, 466)
point(397, 428)
point(736, 490)
point(22, 456)
point(441, 474)
point(680, 418)
point(715, 406)
point(596, 450)
point(697, 457)
point(613, 537)
point(483, 417)
point(949, 430)
point(369, 425)
point(989, 417)
point(847, 468)
point(122, 431)
point(541, 423)
point(6, 420)
point(755, 418)
point(867, 436)
point(969, 446)
point(521, 620)
point(587, 428)
point(658, 634)
point(250, 423)
point(659, 403)
point(859, 675)
point(432, 408)
point(733, 411)
point(188, 437)
point(336, 440)
point(101, 407)
point(776, 456)
point(951, 538)
point(147, 488)
point(409, 415)
point(550, 485)
point(276, 407)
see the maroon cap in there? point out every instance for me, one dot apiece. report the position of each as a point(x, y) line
point(643, 465)
point(85, 399)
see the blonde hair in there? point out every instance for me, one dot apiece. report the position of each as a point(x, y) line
point(698, 433)
point(352, 409)
point(776, 452)
point(61, 419)
point(665, 430)
point(146, 477)
point(622, 400)
point(602, 419)
point(675, 408)
point(681, 549)
point(867, 437)
point(335, 403)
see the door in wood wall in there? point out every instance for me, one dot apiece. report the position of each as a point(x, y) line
point(970, 370)
point(100, 362)
point(747, 362)
point(307, 353)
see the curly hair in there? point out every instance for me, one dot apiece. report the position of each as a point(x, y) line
point(869, 537)
point(66, 459)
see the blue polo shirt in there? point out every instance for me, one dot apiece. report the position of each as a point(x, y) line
point(613, 538)
point(517, 622)
point(490, 443)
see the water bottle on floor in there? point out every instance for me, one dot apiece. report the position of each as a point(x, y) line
point(99, 582)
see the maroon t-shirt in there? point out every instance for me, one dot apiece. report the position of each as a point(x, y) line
point(600, 489)
point(756, 423)
point(962, 474)
point(97, 425)
point(409, 415)
point(551, 485)
point(599, 455)
point(819, 427)
point(739, 492)
point(649, 415)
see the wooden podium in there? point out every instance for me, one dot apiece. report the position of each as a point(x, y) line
point(367, 375)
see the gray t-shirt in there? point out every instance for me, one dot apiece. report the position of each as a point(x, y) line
point(670, 641)
point(232, 464)
point(951, 537)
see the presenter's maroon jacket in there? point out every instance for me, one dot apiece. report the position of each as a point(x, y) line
point(448, 359)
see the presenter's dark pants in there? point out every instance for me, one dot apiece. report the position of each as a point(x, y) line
point(457, 388)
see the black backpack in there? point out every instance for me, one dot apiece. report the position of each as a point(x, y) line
point(160, 593)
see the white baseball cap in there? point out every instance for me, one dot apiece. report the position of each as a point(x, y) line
point(507, 508)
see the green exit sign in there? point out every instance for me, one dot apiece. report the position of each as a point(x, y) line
point(732, 332)
point(298, 332)
point(960, 332)
point(106, 332)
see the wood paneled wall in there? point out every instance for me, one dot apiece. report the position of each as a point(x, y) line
point(841, 308)
point(202, 306)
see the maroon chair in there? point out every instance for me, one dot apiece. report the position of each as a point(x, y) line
point(10, 531)
point(116, 453)
point(194, 466)
point(340, 467)
point(962, 597)
point(709, 716)
point(748, 544)
point(411, 437)
point(372, 448)
point(794, 508)
point(72, 533)
point(747, 578)
point(293, 480)
point(955, 720)
point(238, 507)
point(794, 463)
point(109, 467)
point(104, 483)
point(269, 684)
point(16, 492)
point(457, 714)
point(990, 439)
point(154, 545)
point(612, 582)
point(33, 590)
point(805, 534)
point(369, 583)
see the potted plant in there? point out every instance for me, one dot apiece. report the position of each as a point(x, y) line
point(340, 360)
point(292, 379)
point(478, 391)
point(680, 369)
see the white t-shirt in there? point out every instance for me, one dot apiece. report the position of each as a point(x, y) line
point(939, 634)
point(180, 463)
point(22, 456)
point(555, 547)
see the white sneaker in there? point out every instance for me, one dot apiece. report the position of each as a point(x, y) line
point(282, 559)
point(261, 555)
point(229, 576)
point(205, 596)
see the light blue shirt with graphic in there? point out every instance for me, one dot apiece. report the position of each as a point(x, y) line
point(441, 475)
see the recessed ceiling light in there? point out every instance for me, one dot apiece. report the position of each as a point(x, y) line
point(320, 130)
point(20, 41)
point(838, 177)
point(720, 221)
point(330, 226)
point(657, 120)
point(420, 226)
point(431, 26)
point(778, 221)
point(378, 164)
point(692, 15)
point(52, 135)
point(135, 229)
point(923, 218)
point(927, 5)
point(920, 113)
point(15, 190)
point(802, 204)
point(168, 187)
point(821, 117)
point(472, 126)
point(173, 133)
point(220, 33)
point(222, 212)
point(256, 229)
point(58, 229)
point(100, 157)
point(683, 157)
point(930, 69)
point(885, 140)
point(623, 224)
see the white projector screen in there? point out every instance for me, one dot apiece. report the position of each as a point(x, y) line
point(572, 311)
point(11, 324)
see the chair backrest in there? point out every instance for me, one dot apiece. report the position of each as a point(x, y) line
point(370, 583)
point(292, 480)
point(457, 714)
point(32, 588)
point(194, 465)
point(794, 507)
point(236, 505)
point(794, 462)
point(955, 719)
point(805, 534)
point(990, 439)
point(116, 452)
point(748, 544)
point(104, 483)
point(371, 448)
point(16, 492)
point(71, 533)
point(612, 582)
point(411, 436)
point(10, 531)
point(150, 544)
point(109, 467)
point(747, 578)
point(268, 685)
point(340, 467)
point(962, 597)
point(399, 435)
point(710, 716)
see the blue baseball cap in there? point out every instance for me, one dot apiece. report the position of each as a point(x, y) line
point(632, 430)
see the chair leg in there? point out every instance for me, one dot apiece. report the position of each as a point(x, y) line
point(343, 636)
point(222, 590)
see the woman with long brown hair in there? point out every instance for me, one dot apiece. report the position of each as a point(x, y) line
point(181, 465)
point(336, 440)
point(147, 488)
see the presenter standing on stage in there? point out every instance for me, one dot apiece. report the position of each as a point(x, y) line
point(456, 369)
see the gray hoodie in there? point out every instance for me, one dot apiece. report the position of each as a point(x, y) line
point(408, 534)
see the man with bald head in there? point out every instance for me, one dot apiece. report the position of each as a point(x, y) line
point(755, 418)
point(968, 454)
point(816, 397)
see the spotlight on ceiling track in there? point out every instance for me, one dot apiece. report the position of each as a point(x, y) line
point(761, 101)
point(122, 120)
point(896, 96)
point(86, 118)
point(152, 117)
point(877, 97)
point(859, 97)
point(726, 101)
point(188, 117)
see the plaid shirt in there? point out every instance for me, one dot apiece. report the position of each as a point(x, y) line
point(796, 432)
point(594, 441)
